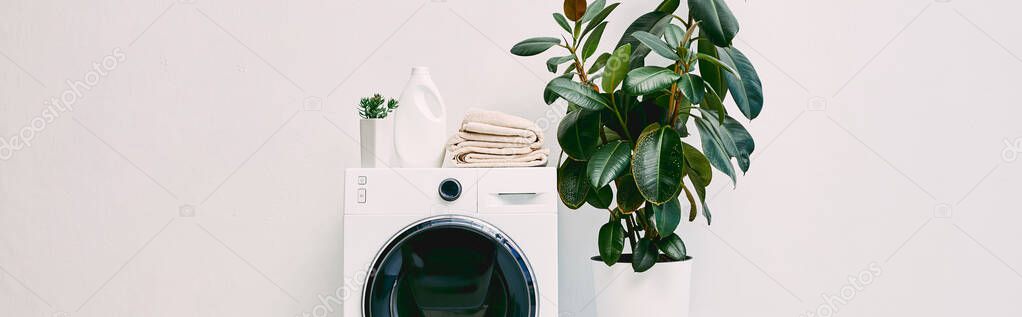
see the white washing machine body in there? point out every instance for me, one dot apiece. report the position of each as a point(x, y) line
point(406, 232)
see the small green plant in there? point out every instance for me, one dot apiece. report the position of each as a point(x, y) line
point(627, 130)
point(374, 107)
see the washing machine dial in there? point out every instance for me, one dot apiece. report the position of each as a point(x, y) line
point(450, 189)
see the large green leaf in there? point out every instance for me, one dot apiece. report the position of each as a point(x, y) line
point(645, 256)
point(648, 79)
point(562, 21)
point(653, 23)
point(617, 68)
point(692, 87)
point(674, 35)
point(611, 242)
point(534, 46)
point(593, 41)
point(747, 91)
point(572, 185)
point(657, 45)
point(593, 9)
point(575, 9)
point(609, 161)
point(668, 6)
point(716, 19)
point(667, 216)
point(601, 198)
point(579, 135)
point(713, 148)
point(577, 93)
point(599, 18)
point(658, 163)
point(553, 62)
point(712, 74)
point(673, 247)
point(548, 95)
point(628, 196)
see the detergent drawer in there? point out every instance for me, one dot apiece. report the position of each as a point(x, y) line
point(518, 190)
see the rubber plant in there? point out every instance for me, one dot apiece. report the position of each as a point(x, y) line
point(630, 127)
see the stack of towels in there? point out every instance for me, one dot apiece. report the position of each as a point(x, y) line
point(495, 139)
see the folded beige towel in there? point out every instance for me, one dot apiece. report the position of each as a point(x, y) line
point(495, 139)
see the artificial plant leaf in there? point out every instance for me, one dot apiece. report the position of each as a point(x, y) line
point(579, 135)
point(599, 18)
point(599, 63)
point(562, 21)
point(658, 163)
point(593, 41)
point(743, 142)
point(747, 90)
point(713, 149)
point(572, 185)
point(645, 255)
point(574, 9)
point(657, 45)
point(674, 35)
point(553, 62)
point(673, 247)
point(617, 68)
point(692, 87)
point(653, 23)
point(667, 216)
point(611, 241)
point(648, 79)
point(712, 74)
point(574, 92)
point(534, 46)
point(608, 162)
point(668, 6)
point(716, 19)
point(594, 9)
point(628, 196)
point(600, 198)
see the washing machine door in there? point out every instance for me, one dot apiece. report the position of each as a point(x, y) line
point(450, 266)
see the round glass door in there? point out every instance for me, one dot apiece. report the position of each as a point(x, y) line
point(450, 266)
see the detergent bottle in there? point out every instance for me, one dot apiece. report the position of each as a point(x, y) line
point(420, 123)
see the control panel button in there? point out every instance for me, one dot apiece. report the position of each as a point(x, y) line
point(362, 180)
point(361, 195)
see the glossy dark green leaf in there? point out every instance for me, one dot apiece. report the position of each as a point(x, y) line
point(599, 18)
point(714, 149)
point(667, 216)
point(601, 198)
point(674, 35)
point(579, 135)
point(593, 41)
point(609, 161)
point(697, 167)
point(692, 87)
point(648, 79)
point(658, 163)
point(657, 45)
point(553, 62)
point(617, 68)
point(628, 196)
point(574, 9)
point(653, 23)
point(594, 9)
point(743, 142)
point(599, 63)
point(646, 254)
point(668, 6)
point(572, 185)
point(716, 19)
point(562, 21)
point(611, 242)
point(548, 95)
point(577, 93)
point(673, 247)
point(534, 46)
point(713, 103)
point(747, 91)
point(725, 67)
point(711, 73)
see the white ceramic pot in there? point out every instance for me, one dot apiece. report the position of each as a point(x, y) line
point(377, 142)
point(664, 290)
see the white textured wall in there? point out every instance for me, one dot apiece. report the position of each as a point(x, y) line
point(879, 116)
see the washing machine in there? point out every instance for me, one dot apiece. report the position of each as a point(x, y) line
point(449, 242)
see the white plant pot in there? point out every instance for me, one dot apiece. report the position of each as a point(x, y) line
point(377, 142)
point(663, 290)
